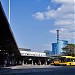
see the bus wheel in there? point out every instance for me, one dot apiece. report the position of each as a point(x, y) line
point(70, 64)
point(54, 64)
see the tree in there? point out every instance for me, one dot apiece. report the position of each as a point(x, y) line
point(69, 50)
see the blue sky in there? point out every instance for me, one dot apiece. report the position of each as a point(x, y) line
point(34, 22)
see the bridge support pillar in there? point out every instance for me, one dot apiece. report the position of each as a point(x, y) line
point(45, 61)
point(23, 62)
point(26, 63)
point(39, 62)
point(32, 62)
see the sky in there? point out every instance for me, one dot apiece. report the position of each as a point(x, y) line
point(34, 22)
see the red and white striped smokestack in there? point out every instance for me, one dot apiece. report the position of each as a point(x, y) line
point(57, 36)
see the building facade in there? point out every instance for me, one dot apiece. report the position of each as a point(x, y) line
point(48, 52)
point(57, 47)
point(29, 53)
point(24, 49)
point(61, 44)
point(54, 48)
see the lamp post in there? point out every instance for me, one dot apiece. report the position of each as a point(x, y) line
point(9, 11)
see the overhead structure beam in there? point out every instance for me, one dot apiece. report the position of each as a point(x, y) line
point(7, 40)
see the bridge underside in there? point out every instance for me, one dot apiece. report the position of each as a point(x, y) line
point(34, 60)
point(8, 46)
point(9, 52)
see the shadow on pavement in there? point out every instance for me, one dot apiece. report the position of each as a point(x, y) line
point(39, 71)
point(4, 69)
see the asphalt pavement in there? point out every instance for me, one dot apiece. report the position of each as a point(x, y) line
point(38, 70)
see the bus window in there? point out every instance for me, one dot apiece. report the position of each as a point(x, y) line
point(63, 59)
point(68, 59)
point(73, 60)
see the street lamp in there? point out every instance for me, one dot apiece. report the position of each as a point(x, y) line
point(9, 11)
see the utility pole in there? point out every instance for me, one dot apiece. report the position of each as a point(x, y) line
point(57, 36)
point(9, 11)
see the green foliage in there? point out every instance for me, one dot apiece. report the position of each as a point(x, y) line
point(69, 50)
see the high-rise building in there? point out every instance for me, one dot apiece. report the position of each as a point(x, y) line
point(61, 44)
point(54, 48)
point(57, 47)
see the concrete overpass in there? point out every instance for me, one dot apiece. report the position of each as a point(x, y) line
point(8, 45)
point(38, 58)
point(9, 51)
point(7, 41)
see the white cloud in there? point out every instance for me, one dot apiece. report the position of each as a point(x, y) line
point(63, 18)
point(50, 14)
point(65, 11)
point(64, 22)
point(68, 35)
point(39, 16)
point(53, 31)
point(64, 33)
point(68, 16)
point(63, 1)
point(48, 8)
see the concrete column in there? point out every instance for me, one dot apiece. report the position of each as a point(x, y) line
point(45, 62)
point(26, 62)
point(32, 62)
point(23, 62)
point(39, 62)
point(13, 61)
point(20, 62)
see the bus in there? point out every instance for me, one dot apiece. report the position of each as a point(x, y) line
point(64, 61)
point(67, 60)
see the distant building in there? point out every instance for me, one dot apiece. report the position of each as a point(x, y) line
point(24, 49)
point(30, 53)
point(48, 52)
point(57, 47)
point(61, 44)
point(54, 48)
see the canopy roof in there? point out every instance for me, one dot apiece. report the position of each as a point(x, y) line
point(7, 41)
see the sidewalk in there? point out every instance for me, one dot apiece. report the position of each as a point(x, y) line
point(26, 69)
point(23, 67)
point(29, 66)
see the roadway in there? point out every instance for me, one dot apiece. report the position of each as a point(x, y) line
point(38, 70)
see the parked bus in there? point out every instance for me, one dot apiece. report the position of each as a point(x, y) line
point(67, 60)
point(64, 61)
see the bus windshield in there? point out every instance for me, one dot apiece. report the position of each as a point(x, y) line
point(64, 59)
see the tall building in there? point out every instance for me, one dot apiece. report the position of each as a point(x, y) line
point(57, 47)
point(61, 44)
point(54, 48)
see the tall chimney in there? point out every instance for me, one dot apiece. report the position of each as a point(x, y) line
point(57, 36)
